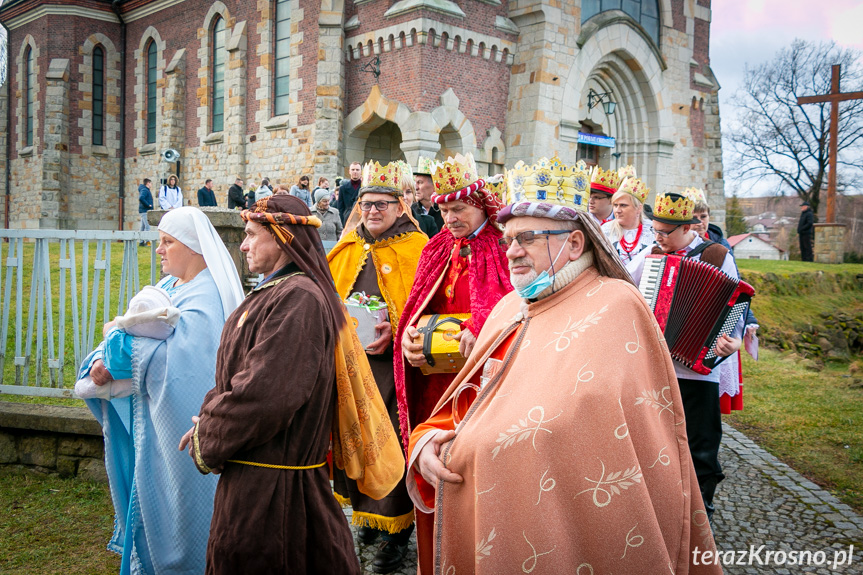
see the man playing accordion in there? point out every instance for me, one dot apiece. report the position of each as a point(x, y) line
point(673, 219)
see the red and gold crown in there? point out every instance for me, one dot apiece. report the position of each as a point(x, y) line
point(456, 177)
point(496, 186)
point(672, 208)
point(627, 172)
point(605, 181)
point(697, 195)
point(388, 176)
point(634, 187)
point(425, 166)
point(548, 181)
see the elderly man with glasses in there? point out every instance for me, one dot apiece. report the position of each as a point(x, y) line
point(378, 255)
point(462, 271)
point(673, 218)
point(561, 441)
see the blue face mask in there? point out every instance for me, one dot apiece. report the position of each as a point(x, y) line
point(542, 281)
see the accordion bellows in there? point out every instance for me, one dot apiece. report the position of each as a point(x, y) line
point(694, 303)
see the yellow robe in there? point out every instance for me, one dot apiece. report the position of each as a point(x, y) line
point(395, 259)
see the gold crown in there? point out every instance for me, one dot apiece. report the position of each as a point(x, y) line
point(425, 165)
point(407, 172)
point(604, 181)
point(627, 172)
point(454, 174)
point(635, 187)
point(549, 181)
point(697, 195)
point(674, 207)
point(496, 186)
point(388, 176)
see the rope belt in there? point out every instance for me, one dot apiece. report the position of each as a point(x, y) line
point(271, 466)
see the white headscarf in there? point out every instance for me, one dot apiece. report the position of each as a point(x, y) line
point(192, 228)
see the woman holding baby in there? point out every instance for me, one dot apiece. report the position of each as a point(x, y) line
point(165, 345)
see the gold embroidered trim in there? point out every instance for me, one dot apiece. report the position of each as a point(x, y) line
point(272, 466)
point(199, 461)
point(381, 522)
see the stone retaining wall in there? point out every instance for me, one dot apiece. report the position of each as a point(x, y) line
point(52, 439)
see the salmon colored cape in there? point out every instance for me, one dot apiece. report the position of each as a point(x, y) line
point(395, 259)
point(574, 456)
point(489, 281)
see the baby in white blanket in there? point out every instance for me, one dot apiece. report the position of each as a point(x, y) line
point(151, 314)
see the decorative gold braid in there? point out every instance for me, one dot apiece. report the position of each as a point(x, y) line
point(277, 281)
point(382, 522)
point(196, 444)
point(271, 466)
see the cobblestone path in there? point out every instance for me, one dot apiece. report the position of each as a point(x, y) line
point(762, 502)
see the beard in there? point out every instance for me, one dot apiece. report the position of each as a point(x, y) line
point(519, 281)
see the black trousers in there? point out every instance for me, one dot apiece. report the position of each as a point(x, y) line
point(806, 247)
point(704, 432)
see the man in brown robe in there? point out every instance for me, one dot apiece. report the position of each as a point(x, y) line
point(379, 258)
point(266, 425)
point(561, 445)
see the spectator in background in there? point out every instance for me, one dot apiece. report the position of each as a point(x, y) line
point(206, 196)
point(265, 190)
point(145, 204)
point(171, 194)
point(331, 223)
point(301, 190)
point(806, 229)
point(323, 184)
point(348, 190)
point(236, 199)
point(427, 224)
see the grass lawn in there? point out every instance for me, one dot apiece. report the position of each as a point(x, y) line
point(52, 525)
point(812, 420)
point(790, 267)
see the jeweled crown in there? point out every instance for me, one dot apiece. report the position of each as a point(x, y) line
point(454, 174)
point(496, 185)
point(388, 176)
point(605, 181)
point(697, 195)
point(673, 206)
point(425, 165)
point(634, 187)
point(548, 181)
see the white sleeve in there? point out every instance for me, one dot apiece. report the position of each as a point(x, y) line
point(164, 202)
point(636, 266)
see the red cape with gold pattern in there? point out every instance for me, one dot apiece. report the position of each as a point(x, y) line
point(489, 282)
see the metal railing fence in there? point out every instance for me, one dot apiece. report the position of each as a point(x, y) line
point(53, 287)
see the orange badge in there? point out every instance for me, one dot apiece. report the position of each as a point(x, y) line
point(242, 319)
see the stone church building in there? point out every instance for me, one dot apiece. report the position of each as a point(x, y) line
point(97, 90)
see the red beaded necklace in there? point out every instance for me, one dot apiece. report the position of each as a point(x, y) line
point(629, 246)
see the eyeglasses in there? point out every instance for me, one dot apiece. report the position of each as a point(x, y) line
point(525, 239)
point(380, 206)
point(664, 235)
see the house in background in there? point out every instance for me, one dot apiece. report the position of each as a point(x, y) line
point(755, 247)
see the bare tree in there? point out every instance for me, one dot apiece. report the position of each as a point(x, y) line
point(774, 139)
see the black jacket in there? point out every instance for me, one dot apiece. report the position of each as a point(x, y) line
point(236, 199)
point(347, 198)
point(804, 226)
point(206, 198)
point(434, 213)
point(714, 233)
point(427, 223)
point(145, 199)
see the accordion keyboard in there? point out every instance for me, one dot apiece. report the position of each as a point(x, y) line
point(649, 284)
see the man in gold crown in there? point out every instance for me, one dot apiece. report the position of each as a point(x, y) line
point(379, 258)
point(550, 453)
point(673, 222)
point(462, 270)
point(603, 184)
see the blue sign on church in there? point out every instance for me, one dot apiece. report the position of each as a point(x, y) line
point(595, 140)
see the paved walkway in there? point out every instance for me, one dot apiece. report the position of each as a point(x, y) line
point(763, 502)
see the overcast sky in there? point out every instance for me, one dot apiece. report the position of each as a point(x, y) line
point(752, 31)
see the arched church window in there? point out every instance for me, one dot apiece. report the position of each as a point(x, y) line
point(98, 96)
point(151, 92)
point(30, 91)
point(645, 12)
point(218, 59)
point(282, 54)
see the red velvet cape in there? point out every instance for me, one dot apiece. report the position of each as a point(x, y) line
point(489, 282)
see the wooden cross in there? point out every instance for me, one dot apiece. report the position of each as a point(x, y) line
point(834, 97)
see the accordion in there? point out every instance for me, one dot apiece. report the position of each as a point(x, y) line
point(694, 303)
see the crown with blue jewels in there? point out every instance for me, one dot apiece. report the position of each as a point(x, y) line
point(548, 181)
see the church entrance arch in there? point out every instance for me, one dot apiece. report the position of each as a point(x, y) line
point(384, 144)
